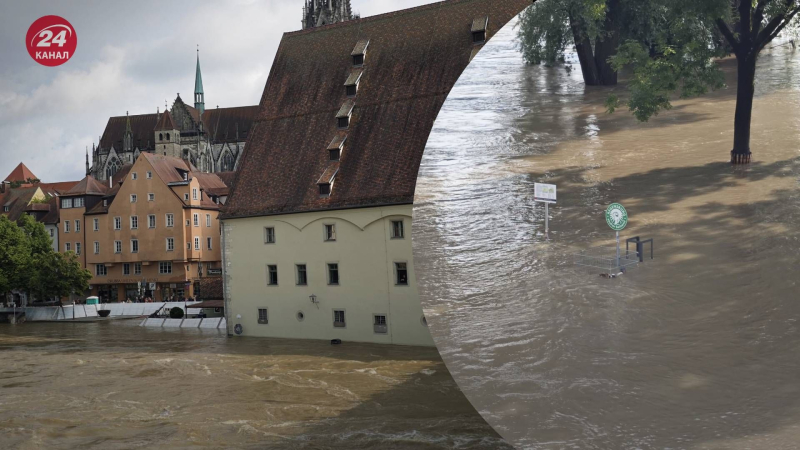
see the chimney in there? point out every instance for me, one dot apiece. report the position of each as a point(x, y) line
point(2, 187)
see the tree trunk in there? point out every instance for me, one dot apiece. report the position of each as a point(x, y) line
point(744, 109)
point(583, 46)
point(607, 44)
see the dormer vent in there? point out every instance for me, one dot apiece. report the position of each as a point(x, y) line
point(479, 27)
point(360, 53)
point(344, 114)
point(336, 146)
point(325, 182)
point(351, 85)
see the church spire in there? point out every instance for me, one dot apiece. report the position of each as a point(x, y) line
point(199, 95)
point(87, 159)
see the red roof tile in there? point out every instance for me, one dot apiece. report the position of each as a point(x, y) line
point(21, 173)
point(414, 58)
point(165, 122)
point(89, 186)
point(142, 127)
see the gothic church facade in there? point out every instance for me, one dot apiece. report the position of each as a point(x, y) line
point(211, 140)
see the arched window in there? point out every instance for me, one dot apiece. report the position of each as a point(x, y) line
point(160, 137)
point(168, 136)
point(227, 162)
point(112, 168)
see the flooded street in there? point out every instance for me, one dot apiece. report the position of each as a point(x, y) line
point(115, 385)
point(697, 349)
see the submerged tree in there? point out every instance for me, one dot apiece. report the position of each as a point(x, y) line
point(549, 27)
point(682, 60)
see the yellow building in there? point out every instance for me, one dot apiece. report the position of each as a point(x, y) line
point(153, 232)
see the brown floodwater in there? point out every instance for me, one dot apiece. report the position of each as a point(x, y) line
point(115, 385)
point(697, 349)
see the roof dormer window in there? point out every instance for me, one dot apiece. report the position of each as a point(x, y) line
point(336, 146)
point(351, 85)
point(360, 53)
point(344, 114)
point(325, 182)
point(479, 27)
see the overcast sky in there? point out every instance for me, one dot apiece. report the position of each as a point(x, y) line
point(132, 56)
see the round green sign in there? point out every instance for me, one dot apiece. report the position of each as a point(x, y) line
point(617, 217)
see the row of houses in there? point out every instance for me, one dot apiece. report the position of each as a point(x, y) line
point(314, 238)
point(152, 231)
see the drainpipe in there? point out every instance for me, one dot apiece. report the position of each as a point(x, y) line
point(225, 296)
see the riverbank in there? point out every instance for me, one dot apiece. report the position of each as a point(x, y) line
point(116, 385)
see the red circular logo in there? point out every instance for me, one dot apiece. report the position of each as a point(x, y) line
point(51, 41)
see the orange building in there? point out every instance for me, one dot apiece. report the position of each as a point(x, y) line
point(153, 232)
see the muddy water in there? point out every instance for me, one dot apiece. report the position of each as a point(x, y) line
point(119, 386)
point(699, 348)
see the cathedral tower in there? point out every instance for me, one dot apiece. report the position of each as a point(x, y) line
point(199, 96)
point(317, 13)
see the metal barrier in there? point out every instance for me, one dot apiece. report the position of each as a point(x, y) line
point(639, 246)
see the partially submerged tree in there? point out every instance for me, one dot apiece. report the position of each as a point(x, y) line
point(683, 60)
point(549, 27)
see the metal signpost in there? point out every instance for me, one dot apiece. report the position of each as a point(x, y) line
point(545, 193)
point(617, 219)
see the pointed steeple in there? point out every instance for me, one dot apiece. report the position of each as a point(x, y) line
point(87, 160)
point(199, 95)
point(127, 143)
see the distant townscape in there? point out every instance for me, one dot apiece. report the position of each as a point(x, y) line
point(298, 210)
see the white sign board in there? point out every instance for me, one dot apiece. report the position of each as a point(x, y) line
point(152, 287)
point(544, 193)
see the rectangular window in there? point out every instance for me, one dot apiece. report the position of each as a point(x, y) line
point(330, 233)
point(208, 243)
point(134, 222)
point(338, 318)
point(134, 176)
point(117, 246)
point(358, 60)
point(333, 274)
point(379, 324)
point(401, 274)
point(302, 277)
point(117, 223)
point(67, 247)
point(208, 220)
point(100, 270)
point(196, 218)
point(263, 317)
point(77, 248)
point(52, 233)
point(186, 197)
point(197, 243)
point(149, 175)
point(151, 221)
point(269, 235)
point(133, 198)
point(96, 224)
point(137, 268)
point(165, 268)
point(126, 269)
point(272, 275)
point(134, 246)
point(194, 194)
point(66, 203)
point(78, 202)
point(170, 244)
point(77, 226)
point(96, 248)
point(151, 197)
point(351, 90)
point(170, 220)
point(397, 229)
point(66, 226)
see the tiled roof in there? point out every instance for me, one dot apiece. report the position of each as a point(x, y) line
point(165, 122)
point(222, 124)
point(227, 177)
point(20, 173)
point(415, 57)
point(211, 288)
point(17, 200)
point(88, 186)
point(142, 127)
point(52, 214)
point(59, 188)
